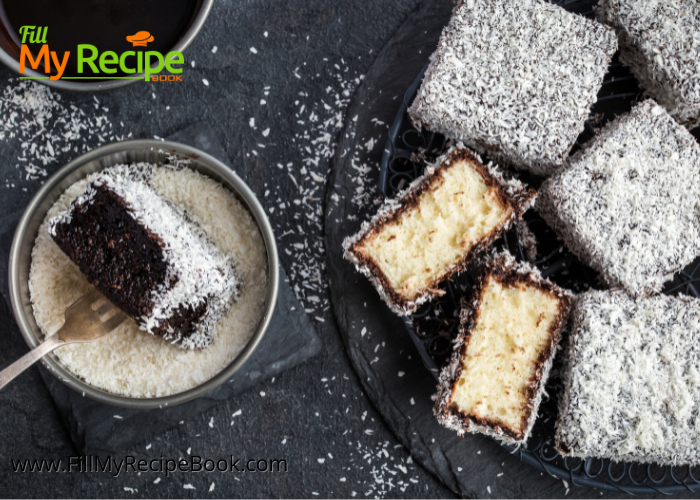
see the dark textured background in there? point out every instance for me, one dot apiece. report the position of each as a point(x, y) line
point(300, 418)
point(316, 416)
point(378, 344)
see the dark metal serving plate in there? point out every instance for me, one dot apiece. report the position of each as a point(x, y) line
point(433, 327)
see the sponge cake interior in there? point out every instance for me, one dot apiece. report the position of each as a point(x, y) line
point(505, 349)
point(459, 209)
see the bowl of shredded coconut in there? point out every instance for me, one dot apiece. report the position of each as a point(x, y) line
point(131, 367)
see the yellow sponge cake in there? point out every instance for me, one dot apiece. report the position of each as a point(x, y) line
point(510, 330)
point(434, 228)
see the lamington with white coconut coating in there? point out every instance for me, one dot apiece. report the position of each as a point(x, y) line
point(626, 205)
point(515, 79)
point(436, 227)
point(632, 380)
point(509, 333)
point(659, 42)
point(147, 256)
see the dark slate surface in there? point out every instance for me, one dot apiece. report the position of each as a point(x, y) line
point(94, 429)
point(384, 356)
point(316, 410)
point(290, 340)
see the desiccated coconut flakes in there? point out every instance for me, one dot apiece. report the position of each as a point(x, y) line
point(131, 362)
point(660, 43)
point(47, 129)
point(496, 83)
point(632, 382)
point(624, 204)
point(202, 273)
point(319, 122)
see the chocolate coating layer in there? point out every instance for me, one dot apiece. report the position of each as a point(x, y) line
point(122, 258)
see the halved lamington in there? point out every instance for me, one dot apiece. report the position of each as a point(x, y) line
point(435, 228)
point(627, 204)
point(659, 42)
point(632, 382)
point(509, 333)
point(516, 79)
point(147, 256)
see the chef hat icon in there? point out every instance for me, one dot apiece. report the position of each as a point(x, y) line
point(140, 39)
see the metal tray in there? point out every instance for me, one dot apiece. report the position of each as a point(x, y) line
point(433, 327)
point(152, 151)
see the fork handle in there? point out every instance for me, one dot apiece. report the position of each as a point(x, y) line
point(9, 373)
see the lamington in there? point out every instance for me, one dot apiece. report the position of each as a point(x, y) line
point(631, 386)
point(626, 204)
point(147, 256)
point(435, 227)
point(659, 42)
point(515, 79)
point(509, 333)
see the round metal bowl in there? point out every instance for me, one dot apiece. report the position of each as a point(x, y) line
point(152, 151)
point(9, 56)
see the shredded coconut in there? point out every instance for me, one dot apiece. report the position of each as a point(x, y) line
point(319, 122)
point(129, 361)
point(515, 78)
point(626, 205)
point(49, 131)
point(660, 42)
point(632, 386)
point(197, 271)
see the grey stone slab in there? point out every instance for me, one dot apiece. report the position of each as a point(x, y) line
point(290, 340)
point(301, 417)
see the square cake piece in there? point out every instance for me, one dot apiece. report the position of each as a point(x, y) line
point(435, 227)
point(147, 256)
point(627, 204)
point(632, 381)
point(660, 43)
point(509, 332)
point(516, 79)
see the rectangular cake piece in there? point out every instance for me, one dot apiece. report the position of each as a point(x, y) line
point(509, 332)
point(147, 256)
point(660, 43)
point(632, 382)
point(627, 203)
point(435, 227)
point(516, 79)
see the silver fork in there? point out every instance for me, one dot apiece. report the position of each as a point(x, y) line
point(84, 323)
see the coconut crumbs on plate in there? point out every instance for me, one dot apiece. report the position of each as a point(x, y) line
point(129, 361)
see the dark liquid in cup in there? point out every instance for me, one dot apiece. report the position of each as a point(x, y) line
point(102, 23)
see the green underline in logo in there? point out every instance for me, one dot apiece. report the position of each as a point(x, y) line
point(83, 77)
